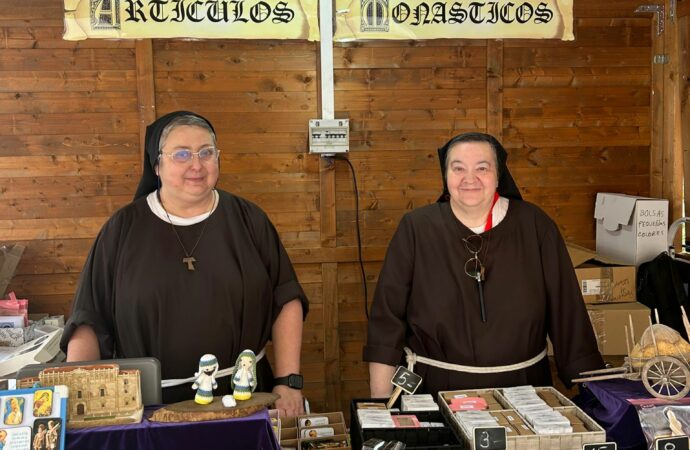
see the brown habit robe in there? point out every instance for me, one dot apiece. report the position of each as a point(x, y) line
point(425, 300)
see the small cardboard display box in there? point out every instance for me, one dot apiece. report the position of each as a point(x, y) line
point(631, 229)
point(323, 430)
point(609, 322)
point(602, 279)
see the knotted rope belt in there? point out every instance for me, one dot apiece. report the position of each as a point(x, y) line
point(220, 374)
point(413, 358)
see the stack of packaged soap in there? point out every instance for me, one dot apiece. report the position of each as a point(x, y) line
point(475, 419)
point(419, 402)
point(543, 418)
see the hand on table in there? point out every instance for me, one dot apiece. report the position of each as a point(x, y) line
point(290, 402)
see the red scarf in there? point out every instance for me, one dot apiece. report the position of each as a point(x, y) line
point(489, 219)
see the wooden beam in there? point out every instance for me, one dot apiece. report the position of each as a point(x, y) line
point(331, 349)
point(328, 227)
point(146, 96)
point(656, 163)
point(494, 88)
point(684, 92)
point(327, 201)
point(672, 150)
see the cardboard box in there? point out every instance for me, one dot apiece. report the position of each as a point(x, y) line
point(631, 229)
point(602, 279)
point(609, 322)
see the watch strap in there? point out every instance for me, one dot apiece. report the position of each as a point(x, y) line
point(293, 380)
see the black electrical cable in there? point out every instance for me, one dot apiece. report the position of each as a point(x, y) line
point(359, 238)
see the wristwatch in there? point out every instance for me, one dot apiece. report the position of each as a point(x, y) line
point(294, 381)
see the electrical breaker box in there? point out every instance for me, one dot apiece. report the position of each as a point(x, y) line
point(329, 136)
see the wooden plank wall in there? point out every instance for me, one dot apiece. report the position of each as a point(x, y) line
point(69, 153)
point(577, 115)
point(574, 117)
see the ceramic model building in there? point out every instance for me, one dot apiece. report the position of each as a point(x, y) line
point(98, 395)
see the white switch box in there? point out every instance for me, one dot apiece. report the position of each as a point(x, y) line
point(329, 136)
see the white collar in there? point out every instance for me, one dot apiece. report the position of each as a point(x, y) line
point(157, 208)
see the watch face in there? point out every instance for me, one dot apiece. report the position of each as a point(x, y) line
point(295, 381)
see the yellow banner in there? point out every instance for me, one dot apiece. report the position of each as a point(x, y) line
point(204, 19)
point(432, 19)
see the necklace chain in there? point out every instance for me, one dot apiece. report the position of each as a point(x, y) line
point(188, 259)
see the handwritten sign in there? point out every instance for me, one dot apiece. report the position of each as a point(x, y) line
point(490, 438)
point(406, 380)
point(651, 222)
point(673, 443)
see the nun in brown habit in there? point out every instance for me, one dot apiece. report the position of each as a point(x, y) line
point(188, 269)
point(476, 282)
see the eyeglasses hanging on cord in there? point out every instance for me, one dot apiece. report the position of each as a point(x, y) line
point(474, 267)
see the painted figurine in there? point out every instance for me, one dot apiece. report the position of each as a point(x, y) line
point(205, 381)
point(244, 376)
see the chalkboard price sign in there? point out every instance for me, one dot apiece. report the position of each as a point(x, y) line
point(490, 438)
point(673, 443)
point(406, 380)
point(601, 446)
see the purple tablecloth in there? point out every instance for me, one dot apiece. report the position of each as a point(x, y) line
point(606, 402)
point(253, 432)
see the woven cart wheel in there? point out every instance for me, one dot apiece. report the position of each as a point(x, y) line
point(666, 377)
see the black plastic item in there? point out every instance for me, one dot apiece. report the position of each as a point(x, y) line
point(423, 438)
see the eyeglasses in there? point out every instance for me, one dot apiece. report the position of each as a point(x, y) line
point(474, 267)
point(185, 155)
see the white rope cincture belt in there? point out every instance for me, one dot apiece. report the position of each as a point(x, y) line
point(220, 374)
point(413, 358)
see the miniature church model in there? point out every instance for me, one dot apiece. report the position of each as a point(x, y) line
point(98, 395)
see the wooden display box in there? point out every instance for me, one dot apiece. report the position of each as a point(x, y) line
point(422, 438)
point(589, 431)
point(296, 431)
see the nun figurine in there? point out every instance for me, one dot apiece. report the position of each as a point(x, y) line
point(205, 381)
point(244, 376)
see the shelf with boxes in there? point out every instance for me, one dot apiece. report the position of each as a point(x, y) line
point(419, 425)
point(314, 431)
point(540, 419)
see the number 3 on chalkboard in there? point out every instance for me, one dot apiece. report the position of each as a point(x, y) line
point(490, 438)
point(484, 439)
